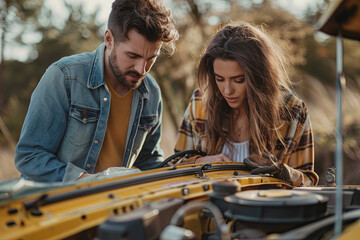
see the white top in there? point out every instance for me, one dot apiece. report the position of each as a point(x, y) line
point(240, 151)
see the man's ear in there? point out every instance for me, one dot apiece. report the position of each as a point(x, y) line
point(108, 39)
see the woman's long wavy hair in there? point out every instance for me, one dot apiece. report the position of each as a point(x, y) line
point(267, 82)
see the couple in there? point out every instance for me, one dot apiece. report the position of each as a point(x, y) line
point(244, 105)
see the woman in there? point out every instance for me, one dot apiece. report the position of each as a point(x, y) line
point(245, 110)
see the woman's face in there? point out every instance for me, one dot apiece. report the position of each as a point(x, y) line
point(230, 80)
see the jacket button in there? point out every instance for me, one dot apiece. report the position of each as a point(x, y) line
point(88, 166)
point(105, 99)
point(84, 120)
point(96, 142)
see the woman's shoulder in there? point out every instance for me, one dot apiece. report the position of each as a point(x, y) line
point(196, 94)
point(196, 105)
point(295, 106)
point(293, 101)
point(196, 98)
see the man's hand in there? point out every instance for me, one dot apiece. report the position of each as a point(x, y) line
point(264, 165)
point(83, 175)
point(214, 158)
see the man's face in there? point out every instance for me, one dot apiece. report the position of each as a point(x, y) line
point(132, 59)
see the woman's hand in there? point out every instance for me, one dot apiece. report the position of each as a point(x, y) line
point(214, 158)
point(264, 165)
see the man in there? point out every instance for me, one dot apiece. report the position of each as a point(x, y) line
point(97, 110)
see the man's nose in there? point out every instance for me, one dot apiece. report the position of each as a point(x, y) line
point(140, 67)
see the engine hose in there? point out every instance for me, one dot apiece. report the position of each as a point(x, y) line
point(192, 206)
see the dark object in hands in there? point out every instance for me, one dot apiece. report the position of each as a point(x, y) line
point(173, 159)
point(268, 165)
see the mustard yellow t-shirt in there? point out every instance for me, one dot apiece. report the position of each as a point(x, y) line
point(112, 151)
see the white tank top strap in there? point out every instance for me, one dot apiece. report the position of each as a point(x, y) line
point(240, 151)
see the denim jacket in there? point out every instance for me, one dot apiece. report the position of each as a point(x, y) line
point(66, 121)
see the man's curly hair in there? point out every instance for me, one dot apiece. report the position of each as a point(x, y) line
point(150, 18)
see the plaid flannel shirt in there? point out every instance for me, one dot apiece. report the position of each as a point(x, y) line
point(297, 153)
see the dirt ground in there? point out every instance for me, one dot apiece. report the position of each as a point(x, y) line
point(7, 167)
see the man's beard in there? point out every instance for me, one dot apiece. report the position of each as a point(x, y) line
point(120, 76)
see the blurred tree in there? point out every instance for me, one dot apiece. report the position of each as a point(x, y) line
point(13, 14)
point(19, 15)
point(177, 75)
point(321, 64)
point(79, 33)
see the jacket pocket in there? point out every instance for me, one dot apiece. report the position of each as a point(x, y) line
point(146, 123)
point(81, 126)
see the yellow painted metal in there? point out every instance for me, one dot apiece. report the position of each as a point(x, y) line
point(66, 218)
point(351, 232)
point(195, 223)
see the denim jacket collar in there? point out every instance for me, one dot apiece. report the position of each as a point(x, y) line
point(96, 76)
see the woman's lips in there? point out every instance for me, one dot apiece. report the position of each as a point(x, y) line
point(231, 100)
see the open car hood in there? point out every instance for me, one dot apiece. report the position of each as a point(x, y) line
point(156, 204)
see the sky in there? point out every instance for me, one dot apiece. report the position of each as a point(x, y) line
point(102, 6)
point(296, 7)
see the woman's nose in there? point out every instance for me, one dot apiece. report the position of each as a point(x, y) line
point(228, 89)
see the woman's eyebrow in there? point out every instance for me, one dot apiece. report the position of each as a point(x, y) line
point(239, 76)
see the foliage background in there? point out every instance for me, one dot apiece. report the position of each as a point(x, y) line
point(311, 53)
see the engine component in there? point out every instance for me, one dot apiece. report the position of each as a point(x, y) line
point(281, 210)
point(142, 223)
